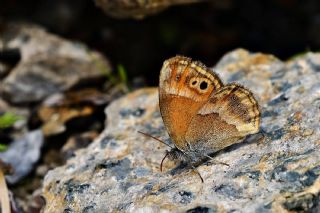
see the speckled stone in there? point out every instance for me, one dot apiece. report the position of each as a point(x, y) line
point(276, 170)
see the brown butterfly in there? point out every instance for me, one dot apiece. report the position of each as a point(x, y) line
point(201, 115)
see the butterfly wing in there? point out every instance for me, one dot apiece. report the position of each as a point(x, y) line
point(184, 87)
point(229, 114)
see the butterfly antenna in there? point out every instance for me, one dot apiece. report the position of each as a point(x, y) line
point(157, 139)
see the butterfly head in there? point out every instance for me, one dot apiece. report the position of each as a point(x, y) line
point(188, 156)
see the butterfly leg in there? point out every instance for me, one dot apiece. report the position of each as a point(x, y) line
point(197, 172)
point(167, 153)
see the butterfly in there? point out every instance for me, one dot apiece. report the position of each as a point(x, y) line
point(200, 113)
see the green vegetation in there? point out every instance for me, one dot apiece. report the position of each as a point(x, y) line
point(120, 79)
point(3, 147)
point(7, 120)
point(123, 77)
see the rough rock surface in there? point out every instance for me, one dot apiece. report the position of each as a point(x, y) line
point(48, 64)
point(275, 170)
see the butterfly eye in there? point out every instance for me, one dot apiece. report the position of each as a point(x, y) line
point(203, 85)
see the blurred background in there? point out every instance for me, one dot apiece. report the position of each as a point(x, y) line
point(205, 30)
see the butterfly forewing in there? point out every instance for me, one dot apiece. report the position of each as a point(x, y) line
point(184, 87)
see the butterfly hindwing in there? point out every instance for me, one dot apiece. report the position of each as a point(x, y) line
point(235, 105)
point(229, 114)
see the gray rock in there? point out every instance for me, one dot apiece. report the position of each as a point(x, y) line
point(276, 170)
point(49, 64)
point(22, 154)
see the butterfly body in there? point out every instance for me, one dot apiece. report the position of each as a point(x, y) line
point(201, 115)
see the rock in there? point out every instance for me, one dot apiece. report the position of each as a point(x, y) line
point(276, 170)
point(136, 8)
point(22, 154)
point(76, 142)
point(49, 64)
point(59, 109)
